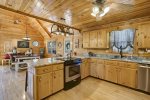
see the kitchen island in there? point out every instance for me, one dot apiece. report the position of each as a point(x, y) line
point(44, 77)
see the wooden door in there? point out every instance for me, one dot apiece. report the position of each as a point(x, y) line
point(44, 85)
point(122, 77)
point(86, 69)
point(86, 39)
point(103, 39)
point(82, 69)
point(144, 36)
point(93, 39)
point(131, 77)
point(111, 73)
point(93, 68)
point(58, 80)
point(127, 77)
point(100, 70)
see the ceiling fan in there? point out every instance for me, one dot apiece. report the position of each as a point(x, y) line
point(102, 7)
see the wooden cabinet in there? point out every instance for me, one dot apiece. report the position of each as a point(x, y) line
point(111, 73)
point(85, 68)
point(144, 36)
point(45, 80)
point(44, 85)
point(103, 39)
point(96, 39)
point(100, 69)
point(127, 74)
point(58, 80)
point(86, 39)
point(93, 39)
point(93, 67)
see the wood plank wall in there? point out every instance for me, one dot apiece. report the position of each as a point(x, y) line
point(10, 33)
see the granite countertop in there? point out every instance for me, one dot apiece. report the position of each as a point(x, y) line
point(140, 61)
point(43, 62)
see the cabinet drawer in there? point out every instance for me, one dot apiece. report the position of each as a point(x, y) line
point(85, 60)
point(131, 65)
point(58, 67)
point(44, 69)
point(93, 60)
point(99, 61)
point(121, 64)
point(111, 62)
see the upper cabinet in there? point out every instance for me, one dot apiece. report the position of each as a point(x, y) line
point(93, 39)
point(144, 36)
point(96, 39)
point(86, 39)
point(103, 39)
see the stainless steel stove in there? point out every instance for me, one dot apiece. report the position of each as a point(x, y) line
point(71, 72)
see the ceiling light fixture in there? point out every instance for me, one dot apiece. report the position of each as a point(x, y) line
point(61, 30)
point(99, 11)
point(26, 38)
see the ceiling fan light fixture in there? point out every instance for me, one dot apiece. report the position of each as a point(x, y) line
point(106, 9)
point(95, 10)
point(102, 14)
point(94, 15)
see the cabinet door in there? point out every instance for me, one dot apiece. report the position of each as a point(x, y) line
point(82, 69)
point(87, 69)
point(58, 80)
point(110, 73)
point(103, 39)
point(144, 36)
point(86, 39)
point(93, 39)
point(44, 85)
point(127, 77)
point(100, 71)
point(131, 77)
point(93, 71)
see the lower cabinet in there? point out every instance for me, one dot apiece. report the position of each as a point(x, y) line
point(44, 85)
point(45, 80)
point(58, 80)
point(85, 68)
point(127, 77)
point(93, 68)
point(100, 69)
point(111, 73)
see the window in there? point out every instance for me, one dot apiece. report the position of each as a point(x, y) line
point(122, 39)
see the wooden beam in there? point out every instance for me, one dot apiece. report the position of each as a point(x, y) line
point(33, 16)
point(45, 29)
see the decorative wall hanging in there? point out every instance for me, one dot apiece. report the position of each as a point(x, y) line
point(35, 43)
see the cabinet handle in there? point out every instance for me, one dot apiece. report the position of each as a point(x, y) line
point(45, 70)
point(40, 79)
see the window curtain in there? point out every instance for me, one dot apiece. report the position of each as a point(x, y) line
point(124, 38)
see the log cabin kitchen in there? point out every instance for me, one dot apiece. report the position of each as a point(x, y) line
point(74, 50)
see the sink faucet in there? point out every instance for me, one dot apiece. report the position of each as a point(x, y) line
point(121, 53)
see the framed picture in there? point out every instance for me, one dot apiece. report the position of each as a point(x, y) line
point(23, 44)
point(67, 46)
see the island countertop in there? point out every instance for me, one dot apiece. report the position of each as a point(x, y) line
point(42, 62)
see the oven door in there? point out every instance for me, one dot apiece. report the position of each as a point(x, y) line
point(72, 72)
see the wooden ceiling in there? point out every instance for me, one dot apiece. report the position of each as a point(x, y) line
point(78, 12)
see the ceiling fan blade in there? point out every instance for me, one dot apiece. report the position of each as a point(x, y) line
point(125, 2)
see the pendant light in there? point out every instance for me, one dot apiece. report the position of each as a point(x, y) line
point(26, 38)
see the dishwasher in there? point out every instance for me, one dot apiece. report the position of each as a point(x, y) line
point(144, 77)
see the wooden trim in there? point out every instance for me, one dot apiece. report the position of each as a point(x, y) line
point(45, 29)
point(33, 16)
